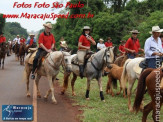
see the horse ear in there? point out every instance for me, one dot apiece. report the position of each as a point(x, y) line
point(109, 66)
point(70, 52)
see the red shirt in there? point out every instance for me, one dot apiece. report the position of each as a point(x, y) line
point(162, 45)
point(46, 40)
point(31, 42)
point(108, 44)
point(22, 41)
point(85, 41)
point(2, 39)
point(133, 44)
point(122, 48)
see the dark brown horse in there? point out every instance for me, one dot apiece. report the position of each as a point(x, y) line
point(3, 50)
point(16, 50)
point(22, 53)
point(150, 78)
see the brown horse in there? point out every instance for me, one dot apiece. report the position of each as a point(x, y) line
point(10, 47)
point(150, 78)
point(22, 53)
point(114, 73)
point(16, 50)
point(3, 50)
point(34, 45)
point(120, 60)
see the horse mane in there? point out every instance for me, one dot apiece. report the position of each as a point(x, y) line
point(141, 89)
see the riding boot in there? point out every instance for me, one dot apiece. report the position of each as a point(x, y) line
point(81, 68)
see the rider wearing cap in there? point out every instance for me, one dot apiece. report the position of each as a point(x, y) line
point(153, 48)
point(84, 45)
point(46, 45)
point(132, 45)
point(31, 40)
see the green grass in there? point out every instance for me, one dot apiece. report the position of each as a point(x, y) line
point(114, 109)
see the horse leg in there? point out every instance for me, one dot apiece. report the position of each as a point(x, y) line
point(0, 62)
point(147, 109)
point(65, 82)
point(120, 88)
point(108, 86)
point(37, 83)
point(52, 88)
point(47, 94)
point(130, 85)
point(73, 83)
point(3, 60)
point(27, 74)
point(100, 87)
point(88, 89)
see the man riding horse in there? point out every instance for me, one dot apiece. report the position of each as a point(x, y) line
point(31, 42)
point(84, 45)
point(46, 44)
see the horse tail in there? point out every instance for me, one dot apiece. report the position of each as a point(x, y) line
point(124, 74)
point(141, 89)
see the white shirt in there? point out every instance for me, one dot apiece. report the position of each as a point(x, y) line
point(152, 46)
point(100, 46)
point(17, 40)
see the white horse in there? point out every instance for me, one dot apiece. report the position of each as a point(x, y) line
point(49, 68)
point(93, 69)
point(130, 75)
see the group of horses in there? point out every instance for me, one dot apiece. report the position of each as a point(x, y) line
point(98, 64)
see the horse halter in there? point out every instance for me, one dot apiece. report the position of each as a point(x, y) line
point(64, 65)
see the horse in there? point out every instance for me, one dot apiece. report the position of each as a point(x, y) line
point(93, 69)
point(22, 53)
point(130, 75)
point(3, 50)
point(49, 68)
point(120, 60)
point(34, 45)
point(10, 47)
point(16, 50)
point(150, 78)
point(113, 72)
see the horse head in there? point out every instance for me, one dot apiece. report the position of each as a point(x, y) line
point(66, 62)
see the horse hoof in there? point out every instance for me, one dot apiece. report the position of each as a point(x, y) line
point(87, 99)
point(131, 110)
point(28, 95)
point(103, 101)
point(45, 98)
point(73, 94)
point(38, 96)
point(54, 102)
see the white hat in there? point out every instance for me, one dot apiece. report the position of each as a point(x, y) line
point(101, 39)
point(86, 28)
point(156, 29)
point(49, 25)
point(31, 34)
point(134, 31)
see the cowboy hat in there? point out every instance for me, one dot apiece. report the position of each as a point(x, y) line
point(156, 29)
point(49, 25)
point(86, 28)
point(101, 40)
point(134, 31)
point(31, 34)
point(17, 35)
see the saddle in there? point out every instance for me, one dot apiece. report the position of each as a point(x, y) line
point(140, 66)
point(87, 56)
point(42, 57)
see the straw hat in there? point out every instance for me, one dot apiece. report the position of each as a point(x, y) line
point(49, 25)
point(101, 40)
point(86, 28)
point(31, 34)
point(134, 31)
point(156, 29)
point(17, 35)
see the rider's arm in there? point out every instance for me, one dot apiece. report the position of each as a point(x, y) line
point(43, 47)
point(81, 46)
point(91, 40)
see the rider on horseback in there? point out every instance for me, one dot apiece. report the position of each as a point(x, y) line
point(22, 40)
point(46, 45)
point(84, 45)
point(3, 39)
point(31, 42)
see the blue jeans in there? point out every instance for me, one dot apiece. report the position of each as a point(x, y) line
point(154, 62)
point(131, 56)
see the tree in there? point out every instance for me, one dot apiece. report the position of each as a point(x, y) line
point(2, 22)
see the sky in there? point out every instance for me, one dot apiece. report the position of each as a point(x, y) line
point(29, 24)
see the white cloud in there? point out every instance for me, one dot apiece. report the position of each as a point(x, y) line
point(29, 24)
